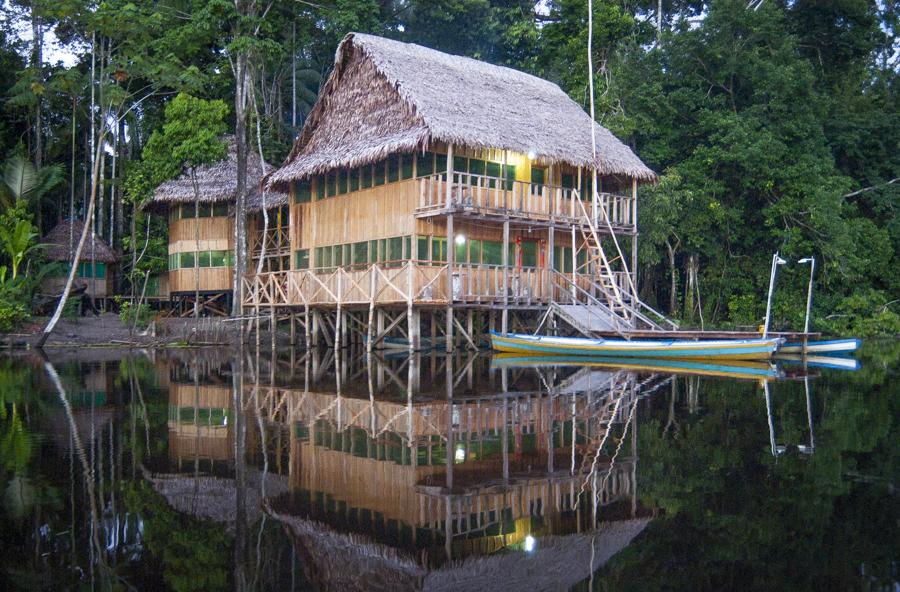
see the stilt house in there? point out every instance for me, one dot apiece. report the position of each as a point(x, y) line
point(96, 268)
point(424, 182)
point(205, 239)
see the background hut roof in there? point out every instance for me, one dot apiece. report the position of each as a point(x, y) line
point(218, 182)
point(386, 96)
point(95, 248)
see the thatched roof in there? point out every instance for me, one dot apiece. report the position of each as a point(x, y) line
point(385, 96)
point(340, 561)
point(95, 248)
point(218, 183)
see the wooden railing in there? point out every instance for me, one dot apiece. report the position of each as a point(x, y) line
point(423, 282)
point(491, 196)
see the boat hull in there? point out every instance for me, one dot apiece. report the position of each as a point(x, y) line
point(833, 346)
point(733, 349)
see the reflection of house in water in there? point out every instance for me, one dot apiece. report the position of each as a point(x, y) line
point(450, 464)
point(199, 427)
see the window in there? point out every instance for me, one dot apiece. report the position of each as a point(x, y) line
point(395, 248)
point(476, 167)
point(438, 249)
point(361, 253)
point(475, 247)
point(459, 252)
point(492, 252)
point(367, 176)
point(393, 168)
point(538, 175)
point(220, 209)
point(301, 259)
point(354, 179)
point(218, 258)
point(332, 184)
point(510, 176)
point(460, 164)
point(303, 191)
point(320, 187)
point(440, 165)
point(378, 172)
point(529, 253)
point(424, 164)
point(186, 260)
point(406, 166)
point(568, 180)
point(422, 248)
point(92, 269)
point(493, 170)
point(203, 258)
point(206, 210)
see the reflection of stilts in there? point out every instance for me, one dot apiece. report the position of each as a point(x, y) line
point(778, 450)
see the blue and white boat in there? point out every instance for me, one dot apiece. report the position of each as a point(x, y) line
point(832, 346)
point(724, 349)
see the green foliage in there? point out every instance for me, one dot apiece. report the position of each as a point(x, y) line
point(864, 314)
point(128, 313)
point(22, 181)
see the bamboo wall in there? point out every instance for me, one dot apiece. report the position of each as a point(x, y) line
point(217, 279)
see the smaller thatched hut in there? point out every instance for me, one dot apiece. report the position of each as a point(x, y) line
point(204, 236)
point(96, 268)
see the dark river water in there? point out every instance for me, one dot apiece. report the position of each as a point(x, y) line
point(221, 469)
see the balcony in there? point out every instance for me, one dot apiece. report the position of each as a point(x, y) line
point(489, 197)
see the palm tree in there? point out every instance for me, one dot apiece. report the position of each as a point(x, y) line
point(22, 181)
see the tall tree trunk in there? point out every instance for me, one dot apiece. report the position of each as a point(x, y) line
point(659, 19)
point(37, 60)
point(294, 75)
point(72, 178)
point(73, 268)
point(690, 288)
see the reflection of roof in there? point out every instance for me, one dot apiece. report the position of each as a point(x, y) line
point(338, 561)
point(214, 498)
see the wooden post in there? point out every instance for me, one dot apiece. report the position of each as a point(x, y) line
point(370, 328)
point(411, 320)
point(634, 236)
point(451, 252)
point(470, 325)
point(551, 239)
point(449, 183)
point(504, 323)
point(338, 326)
point(307, 325)
point(316, 329)
point(293, 320)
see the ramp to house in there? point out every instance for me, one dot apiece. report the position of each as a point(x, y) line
point(589, 318)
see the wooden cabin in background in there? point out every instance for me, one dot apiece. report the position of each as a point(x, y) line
point(204, 239)
point(96, 270)
point(424, 183)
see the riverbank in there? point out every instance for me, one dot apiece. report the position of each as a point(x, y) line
point(107, 330)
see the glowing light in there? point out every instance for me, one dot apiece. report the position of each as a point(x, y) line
point(531, 155)
point(530, 543)
point(460, 454)
point(460, 239)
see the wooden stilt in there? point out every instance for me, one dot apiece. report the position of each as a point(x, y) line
point(306, 326)
point(451, 251)
point(504, 325)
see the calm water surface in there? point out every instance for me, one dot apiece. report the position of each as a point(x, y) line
point(207, 470)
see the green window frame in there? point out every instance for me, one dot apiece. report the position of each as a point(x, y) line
point(538, 175)
point(406, 166)
point(361, 253)
point(332, 184)
point(529, 253)
point(218, 258)
point(492, 253)
point(203, 259)
point(395, 248)
point(378, 173)
point(424, 164)
point(366, 181)
point(303, 191)
point(510, 176)
point(475, 248)
point(477, 167)
point(186, 260)
point(301, 259)
point(568, 180)
point(422, 248)
point(393, 168)
point(439, 249)
point(493, 170)
point(460, 252)
point(320, 187)
point(344, 181)
point(354, 179)
point(440, 165)
point(460, 164)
